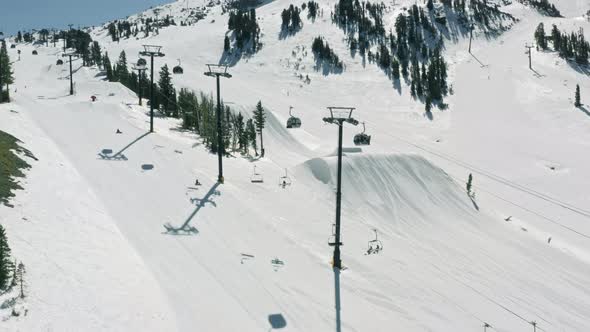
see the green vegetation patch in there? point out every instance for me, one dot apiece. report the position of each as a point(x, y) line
point(11, 166)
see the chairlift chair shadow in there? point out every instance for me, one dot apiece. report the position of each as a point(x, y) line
point(256, 177)
point(293, 121)
point(285, 180)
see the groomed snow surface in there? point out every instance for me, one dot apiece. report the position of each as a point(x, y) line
point(92, 229)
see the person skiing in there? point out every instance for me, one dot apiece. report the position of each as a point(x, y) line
point(118, 131)
point(197, 183)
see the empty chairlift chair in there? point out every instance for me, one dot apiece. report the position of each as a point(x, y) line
point(59, 62)
point(13, 46)
point(293, 122)
point(34, 52)
point(141, 62)
point(362, 138)
point(256, 177)
point(178, 69)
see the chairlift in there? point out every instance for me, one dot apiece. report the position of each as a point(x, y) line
point(59, 62)
point(374, 246)
point(362, 138)
point(285, 180)
point(256, 177)
point(293, 122)
point(35, 52)
point(141, 62)
point(178, 69)
point(13, 46)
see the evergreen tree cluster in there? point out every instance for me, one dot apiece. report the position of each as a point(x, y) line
point(413, 49)
point(312, 9)
point(323, 53)
point(11, 273)
point(26, 37)
point(364, 18)
point(126, 29)
point(164, 92)
point(198, 113)
point(120, 29)
point(290, 18)
point(544, 6)
point(540, 37)
point(6, 73)
point(44, 35)
point(482, 11)
point(573, 46)
point(6, 266)
point(245, 29)
point(80, 41)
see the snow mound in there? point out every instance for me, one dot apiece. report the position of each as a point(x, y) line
point(390, 185)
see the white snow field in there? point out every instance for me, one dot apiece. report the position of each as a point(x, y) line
point(99, 257)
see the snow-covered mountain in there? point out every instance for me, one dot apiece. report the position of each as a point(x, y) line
point(94, 234)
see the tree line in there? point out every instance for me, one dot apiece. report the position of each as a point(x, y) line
point(572, 46)
point(246, 31)
point(323, 53)
point(196, 110)
point(544, 6)
point(239, 133)
point(11, 273)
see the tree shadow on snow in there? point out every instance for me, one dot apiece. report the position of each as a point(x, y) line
point(474, 203)
point(288, 32)
point(584, 109)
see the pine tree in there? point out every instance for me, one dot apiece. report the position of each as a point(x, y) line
point(428, 104)
point(6, 74)
point(259, 121)
point(21, 278)
point(578, 101)
point(108, 68)
point(540, 36)
point(226, 44)
point(430, 5)
point(5, 262)
point(14, 281)
point(96, 54)
point(395, 69)
point(121, 72)
point(251, 135)
point(469, 184)
point(166, 91)
point(240, 133)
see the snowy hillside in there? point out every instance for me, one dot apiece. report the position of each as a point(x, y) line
point(116, 236)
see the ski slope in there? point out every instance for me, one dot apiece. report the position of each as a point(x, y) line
point(100, 257)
